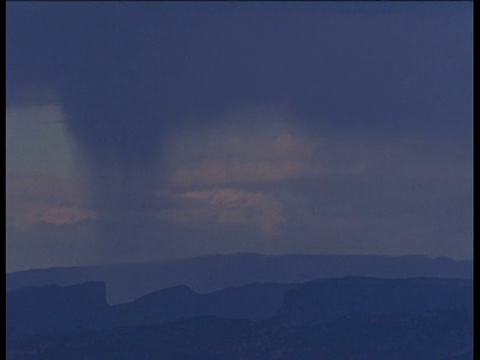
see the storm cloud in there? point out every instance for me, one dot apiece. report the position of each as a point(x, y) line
point(262, 105)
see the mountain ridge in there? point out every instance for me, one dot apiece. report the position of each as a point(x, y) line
point(214, 272)
point(426, 332)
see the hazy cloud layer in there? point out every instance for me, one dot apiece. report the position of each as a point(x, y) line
point(261, 176)
point(38, 140)
point(33, 199)
point(228, 208)
point(147, 131)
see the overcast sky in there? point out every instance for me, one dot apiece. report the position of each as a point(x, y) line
point(148, 131)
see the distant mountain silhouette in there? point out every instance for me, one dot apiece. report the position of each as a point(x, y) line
point(210, 273)
point(255, 301)
point(81, 308)
point(431, 335)
point(55, 309)
point(327, 299)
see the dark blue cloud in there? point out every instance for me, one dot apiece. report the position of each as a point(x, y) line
point(128, 73)
point(355, 66)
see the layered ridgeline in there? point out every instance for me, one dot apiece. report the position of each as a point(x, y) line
point(210, 273)
point(344, 318)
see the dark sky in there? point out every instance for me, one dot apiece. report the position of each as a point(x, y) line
point(193, 128)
